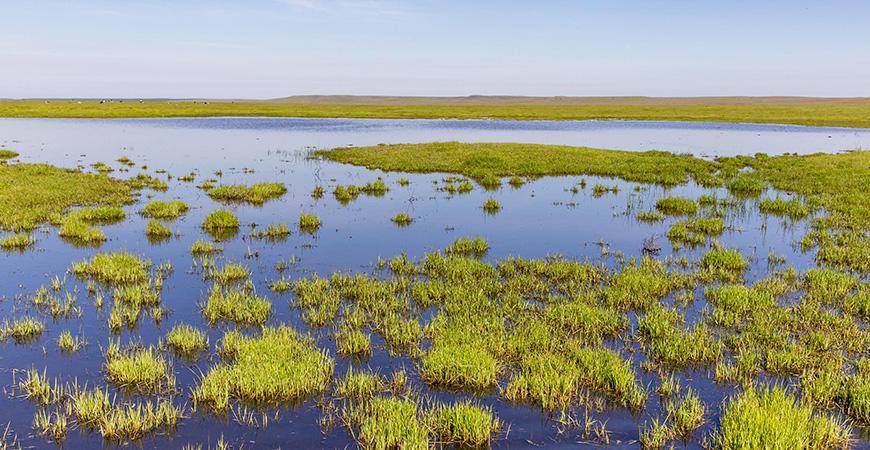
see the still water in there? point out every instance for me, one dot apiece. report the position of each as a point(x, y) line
point(543, 217)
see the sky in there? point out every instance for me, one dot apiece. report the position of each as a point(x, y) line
point(262, 49)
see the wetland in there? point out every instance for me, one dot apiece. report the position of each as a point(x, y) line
point(328, 283)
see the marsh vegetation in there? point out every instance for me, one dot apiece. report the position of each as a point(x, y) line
point(453, 331)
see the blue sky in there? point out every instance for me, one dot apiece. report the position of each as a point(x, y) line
point(275, 48)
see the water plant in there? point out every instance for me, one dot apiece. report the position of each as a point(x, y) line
point(491, 206)
point(155, 230)
point(187, 340)
point(113, 268)
point(138, 369)
point(676, 205)
point(220, 222)
point(17, 241)
point(21, 329)
point(165, 210)
point(466, 246)
point(402, 219)
point(770, 417)
point(465, 423)
point(236, 304)
point(272, 232)
point(256, 194)
point(747, 184)
point(308, 222)
point(201, 247)
point(280, 365)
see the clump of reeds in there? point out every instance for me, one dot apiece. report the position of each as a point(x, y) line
point(279, 366)
point(775, 417)
point(165, 210)
point(309, 222)
point(22, 330)
point(17, 241)
point(676, 206)
point(113, 268)
point(402, 219)
point(465, 423)
point(256, 193)
point(187, 340)
point(138, 369)
point(491, 206)
point(201, 247)
point(466, 246)
point(236, 304)
point(220, 220)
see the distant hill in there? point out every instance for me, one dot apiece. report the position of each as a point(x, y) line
point(521, 100)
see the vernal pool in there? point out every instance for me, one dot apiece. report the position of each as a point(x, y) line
point(580, 224)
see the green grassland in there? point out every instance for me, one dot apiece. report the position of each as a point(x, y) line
point(849, 112)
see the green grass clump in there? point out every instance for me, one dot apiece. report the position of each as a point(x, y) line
point(79, 231)
point(220, 221)
point(156, 230)
point(68, 344)
point(17, 241)
point(389, 422)
point(491, 206)
point(113, 268)
point(272, 232)
point(353, 342)
point(165, 210)
point(773, 418)
point(309, 222)
point(676, 206)
point(465, 423)
point(402, 219)
point(7, 154)
point(138, 369)
point(201, 247)
point(779, 207)
point(466, 246)
point(236, 304)
point(345, 195)
point(650, 216)
point(747, 185)
point(281, 365)
point(359, 385)
point(123, 422)
point(516, 182)
point(377, 189)
point(187, 340)
point(31, 193)
point(257, 194)
point(724, 259)
point(101, 215)
point(460, 365)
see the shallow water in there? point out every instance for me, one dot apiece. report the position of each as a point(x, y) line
point(538, 219)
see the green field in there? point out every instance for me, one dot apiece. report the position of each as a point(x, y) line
point(841, 112)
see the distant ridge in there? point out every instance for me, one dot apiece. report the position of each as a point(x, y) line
point(521, 100)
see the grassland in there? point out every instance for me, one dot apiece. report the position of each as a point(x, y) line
point(853, 112)
point(31, 194)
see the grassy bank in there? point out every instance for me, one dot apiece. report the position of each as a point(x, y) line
point(783, 110)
